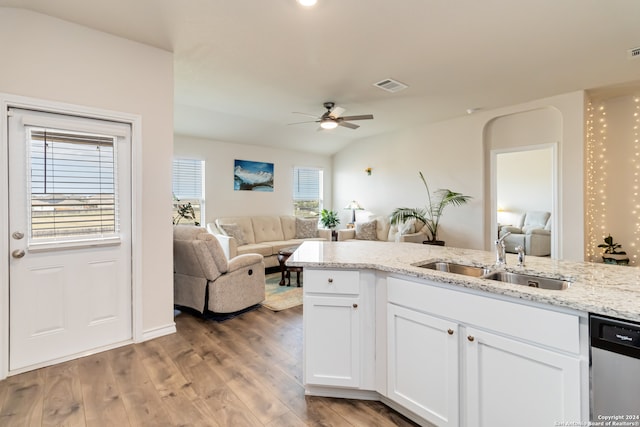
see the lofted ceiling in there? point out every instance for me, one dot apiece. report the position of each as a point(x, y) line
point(243, 66)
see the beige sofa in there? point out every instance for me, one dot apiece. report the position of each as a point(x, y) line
point(264, 235)
point(379, 228)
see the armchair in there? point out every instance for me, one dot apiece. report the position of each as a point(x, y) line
point(205, 280)
point(533, 233)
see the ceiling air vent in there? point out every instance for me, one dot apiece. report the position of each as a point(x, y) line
point(633, 53)
point(391, 85)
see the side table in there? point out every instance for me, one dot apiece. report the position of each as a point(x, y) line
point(283, 256)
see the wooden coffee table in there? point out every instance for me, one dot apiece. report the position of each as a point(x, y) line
point(283, 256)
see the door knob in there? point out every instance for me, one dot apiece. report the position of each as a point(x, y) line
point(18, 253)
point(17, 235)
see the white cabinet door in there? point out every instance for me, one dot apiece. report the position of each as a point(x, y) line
point(512, 383)
point(423, 364)
point(332, 341)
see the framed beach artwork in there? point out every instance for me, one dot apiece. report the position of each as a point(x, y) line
point(252, 176)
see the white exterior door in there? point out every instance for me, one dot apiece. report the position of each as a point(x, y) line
point(70, 237)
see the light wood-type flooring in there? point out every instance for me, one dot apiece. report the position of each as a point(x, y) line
point(246, 371)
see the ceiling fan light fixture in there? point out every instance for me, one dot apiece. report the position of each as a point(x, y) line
point(328, 124)
point(307, 3)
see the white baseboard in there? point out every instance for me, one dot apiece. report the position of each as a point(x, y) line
point(158, 332)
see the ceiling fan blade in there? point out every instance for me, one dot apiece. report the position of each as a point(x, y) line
point(336, 112)
point(305, 114)
point(299, 123)
point(362, 117)
point(348, 125)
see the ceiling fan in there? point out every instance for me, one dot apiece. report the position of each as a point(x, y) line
point(332, 119)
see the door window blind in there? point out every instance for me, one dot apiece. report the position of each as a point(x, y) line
point(72, 184)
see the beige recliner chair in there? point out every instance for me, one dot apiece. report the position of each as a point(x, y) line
point(533, 233)
point(204, 280)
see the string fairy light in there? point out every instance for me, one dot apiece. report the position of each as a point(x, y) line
point(596, 177)
point(635, 209)
point(590, 175)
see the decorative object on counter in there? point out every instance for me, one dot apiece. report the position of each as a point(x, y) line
point(368, 171)
point(611, 254)
point(353, 206)
point(432, 213)
point(329, 219)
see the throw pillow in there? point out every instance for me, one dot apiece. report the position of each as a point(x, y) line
point(407, 227)
point(306, 228)
point(234, 230)
point(366, 230)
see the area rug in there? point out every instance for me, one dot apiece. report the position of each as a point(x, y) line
point(281, 297)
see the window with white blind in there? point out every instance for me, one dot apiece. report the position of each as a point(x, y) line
point(72, 185)
point(188, 191)
point(307, 192)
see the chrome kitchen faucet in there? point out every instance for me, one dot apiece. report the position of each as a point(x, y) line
point(501, 256)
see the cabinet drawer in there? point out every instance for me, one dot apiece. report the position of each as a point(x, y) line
point(332, 281)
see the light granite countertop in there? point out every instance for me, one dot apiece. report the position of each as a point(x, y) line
point(596, 288)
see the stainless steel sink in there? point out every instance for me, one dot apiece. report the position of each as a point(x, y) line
point(528, 280)
point(449, 267)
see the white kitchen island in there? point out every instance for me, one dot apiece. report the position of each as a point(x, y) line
point(453, 350)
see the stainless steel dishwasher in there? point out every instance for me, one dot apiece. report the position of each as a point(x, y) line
point(615, 370)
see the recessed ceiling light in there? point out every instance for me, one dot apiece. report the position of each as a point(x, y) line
point(307, 2)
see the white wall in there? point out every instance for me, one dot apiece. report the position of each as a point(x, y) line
point(524, 180)
point(451, 154)
point(54, 60)
point(220, 197)
point(446, 154)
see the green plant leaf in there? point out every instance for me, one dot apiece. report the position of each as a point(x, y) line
point(434, 208)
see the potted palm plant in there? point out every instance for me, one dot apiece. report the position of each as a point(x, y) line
point(430, 215)
point(611, 254)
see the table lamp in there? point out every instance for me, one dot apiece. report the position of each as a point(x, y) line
point(354, 206)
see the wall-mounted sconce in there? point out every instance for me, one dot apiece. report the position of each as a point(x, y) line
point(368, 171)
